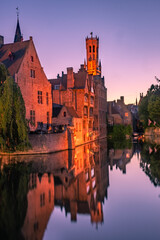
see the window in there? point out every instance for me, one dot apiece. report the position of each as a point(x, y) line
point(32, 60)
point(49, 198)
point(56, 87)
point(90, 59)
point(47, 98)
point(32, 117)
point(64, 114)
point(47, 117)
point(93, 184)
point(93, 48)
point(40, 97)
point(85, 111)
point(42, 199)
point(92, 90)
point(79, 127)
point(85, 98)
point(88, 189)
point(32, 73)
point(33, 181)
point(87, 176)
point(92, 172)
point(35, 226)
point(90, 49)
point(92, 100)
point(91, 112)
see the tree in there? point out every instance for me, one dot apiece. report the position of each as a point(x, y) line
point(149, 108)
point(154, 108)
point(3, 73)
point(13, 126)
point(143, 111)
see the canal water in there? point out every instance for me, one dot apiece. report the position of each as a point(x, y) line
point(98, 191)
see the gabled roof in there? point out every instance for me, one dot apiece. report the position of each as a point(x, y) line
point(72, 112)
point(11, 55)
point(56, 108)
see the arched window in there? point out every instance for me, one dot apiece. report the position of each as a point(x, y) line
point(90, 49)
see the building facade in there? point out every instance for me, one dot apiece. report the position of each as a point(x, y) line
point(118, 113)
point(22, 62)
point(76, 90)
point(94, 68)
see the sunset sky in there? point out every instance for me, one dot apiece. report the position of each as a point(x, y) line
point(128, 30)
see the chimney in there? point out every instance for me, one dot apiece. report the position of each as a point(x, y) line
point(31, 38)
point(122, 98)
point(70, 78)
point(1, 41)
point(82, 67)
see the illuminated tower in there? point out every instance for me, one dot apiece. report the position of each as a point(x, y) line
point(92, 48)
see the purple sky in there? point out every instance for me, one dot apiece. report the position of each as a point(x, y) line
point(129, 33)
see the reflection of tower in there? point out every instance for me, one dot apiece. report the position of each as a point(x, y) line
point(92, 48)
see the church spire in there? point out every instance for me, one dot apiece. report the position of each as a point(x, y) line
point(18, 36)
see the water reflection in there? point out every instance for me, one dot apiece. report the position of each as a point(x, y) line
point(150, 162)
point(76, 182)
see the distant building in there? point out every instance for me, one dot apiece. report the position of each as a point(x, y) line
point(22, 62)
point(118, 113)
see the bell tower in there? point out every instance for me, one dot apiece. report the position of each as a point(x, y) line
point(92, 49)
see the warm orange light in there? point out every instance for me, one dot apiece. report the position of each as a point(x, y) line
point(127, 155)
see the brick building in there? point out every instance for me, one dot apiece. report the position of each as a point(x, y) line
point(118, 112)
point(94, 68)
point(76, 90)
point(85, 91)
point(22, 62)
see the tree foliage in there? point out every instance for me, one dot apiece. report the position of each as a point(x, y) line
point(13, 126)
point(119, 132)
point(149, 108)
point(14, 179)
point(3, 73)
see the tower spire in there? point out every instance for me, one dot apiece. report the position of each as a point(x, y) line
point(18, 36)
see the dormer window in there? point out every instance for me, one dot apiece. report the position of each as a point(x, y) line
point(11, 55)
point(32, 59)
point(56, 87)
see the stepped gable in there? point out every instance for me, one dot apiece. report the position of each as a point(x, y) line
point(11, 55)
